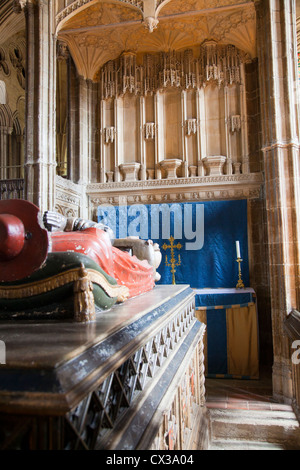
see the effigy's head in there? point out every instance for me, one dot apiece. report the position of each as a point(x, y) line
point(23, 240)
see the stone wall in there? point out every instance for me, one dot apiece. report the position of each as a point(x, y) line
point(187, 106)
point(12, 106)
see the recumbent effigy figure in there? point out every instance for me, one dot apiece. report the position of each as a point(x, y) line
point(126, 259)
point(38, 266)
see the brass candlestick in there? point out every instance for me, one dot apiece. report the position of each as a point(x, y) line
point(240, 284)
point(173, 263)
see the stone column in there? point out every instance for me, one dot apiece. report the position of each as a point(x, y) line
point(201, 131)
point(5, 133)
point(20, 155)
point(244, 123)
point(158, 129)
point(40, 102)
point(83, 128)
point(118, 145)
point(62, 108)
point(276, 21)
point(185, 168)
point(86, 137)
point(102, 143)
point(227, 133)
point(142, 122)
point(73, 121)
point(82, 133)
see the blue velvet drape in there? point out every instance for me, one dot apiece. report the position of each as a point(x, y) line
point(220, 223)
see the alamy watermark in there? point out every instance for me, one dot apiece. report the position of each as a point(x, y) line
point(296, 354)
point(2, 352)
point(156, 221)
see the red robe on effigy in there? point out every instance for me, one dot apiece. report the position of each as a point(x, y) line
point(128, 270)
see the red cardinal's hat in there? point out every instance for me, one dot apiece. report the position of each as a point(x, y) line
point(23, 240)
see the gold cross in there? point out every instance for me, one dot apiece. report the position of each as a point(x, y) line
point(173, 263)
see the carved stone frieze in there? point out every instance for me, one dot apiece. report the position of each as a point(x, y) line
point(199, 180)
point(77, 4)
point(225, 187)
point(102, 14)
point(185, 6)
point(68, 197)
point(194, 196)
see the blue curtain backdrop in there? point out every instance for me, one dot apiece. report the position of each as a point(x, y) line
point(206, 231)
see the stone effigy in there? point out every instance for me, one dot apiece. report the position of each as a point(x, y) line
point(57, 267)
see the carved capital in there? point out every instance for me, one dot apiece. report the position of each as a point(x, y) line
point(258, 7)
point(19, 5)
point(62, 50)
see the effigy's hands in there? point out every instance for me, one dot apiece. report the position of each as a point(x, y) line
point(54, 222)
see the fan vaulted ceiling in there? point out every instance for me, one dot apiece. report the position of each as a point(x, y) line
point(98, 31)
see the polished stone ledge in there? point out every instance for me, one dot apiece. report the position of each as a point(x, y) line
point(58, 362)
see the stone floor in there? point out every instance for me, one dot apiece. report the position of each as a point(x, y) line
point(245, 416)
point(242, 394)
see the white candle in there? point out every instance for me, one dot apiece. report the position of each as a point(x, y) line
point(238, 253)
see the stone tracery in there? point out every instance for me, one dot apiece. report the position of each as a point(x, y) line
point(217, 63)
